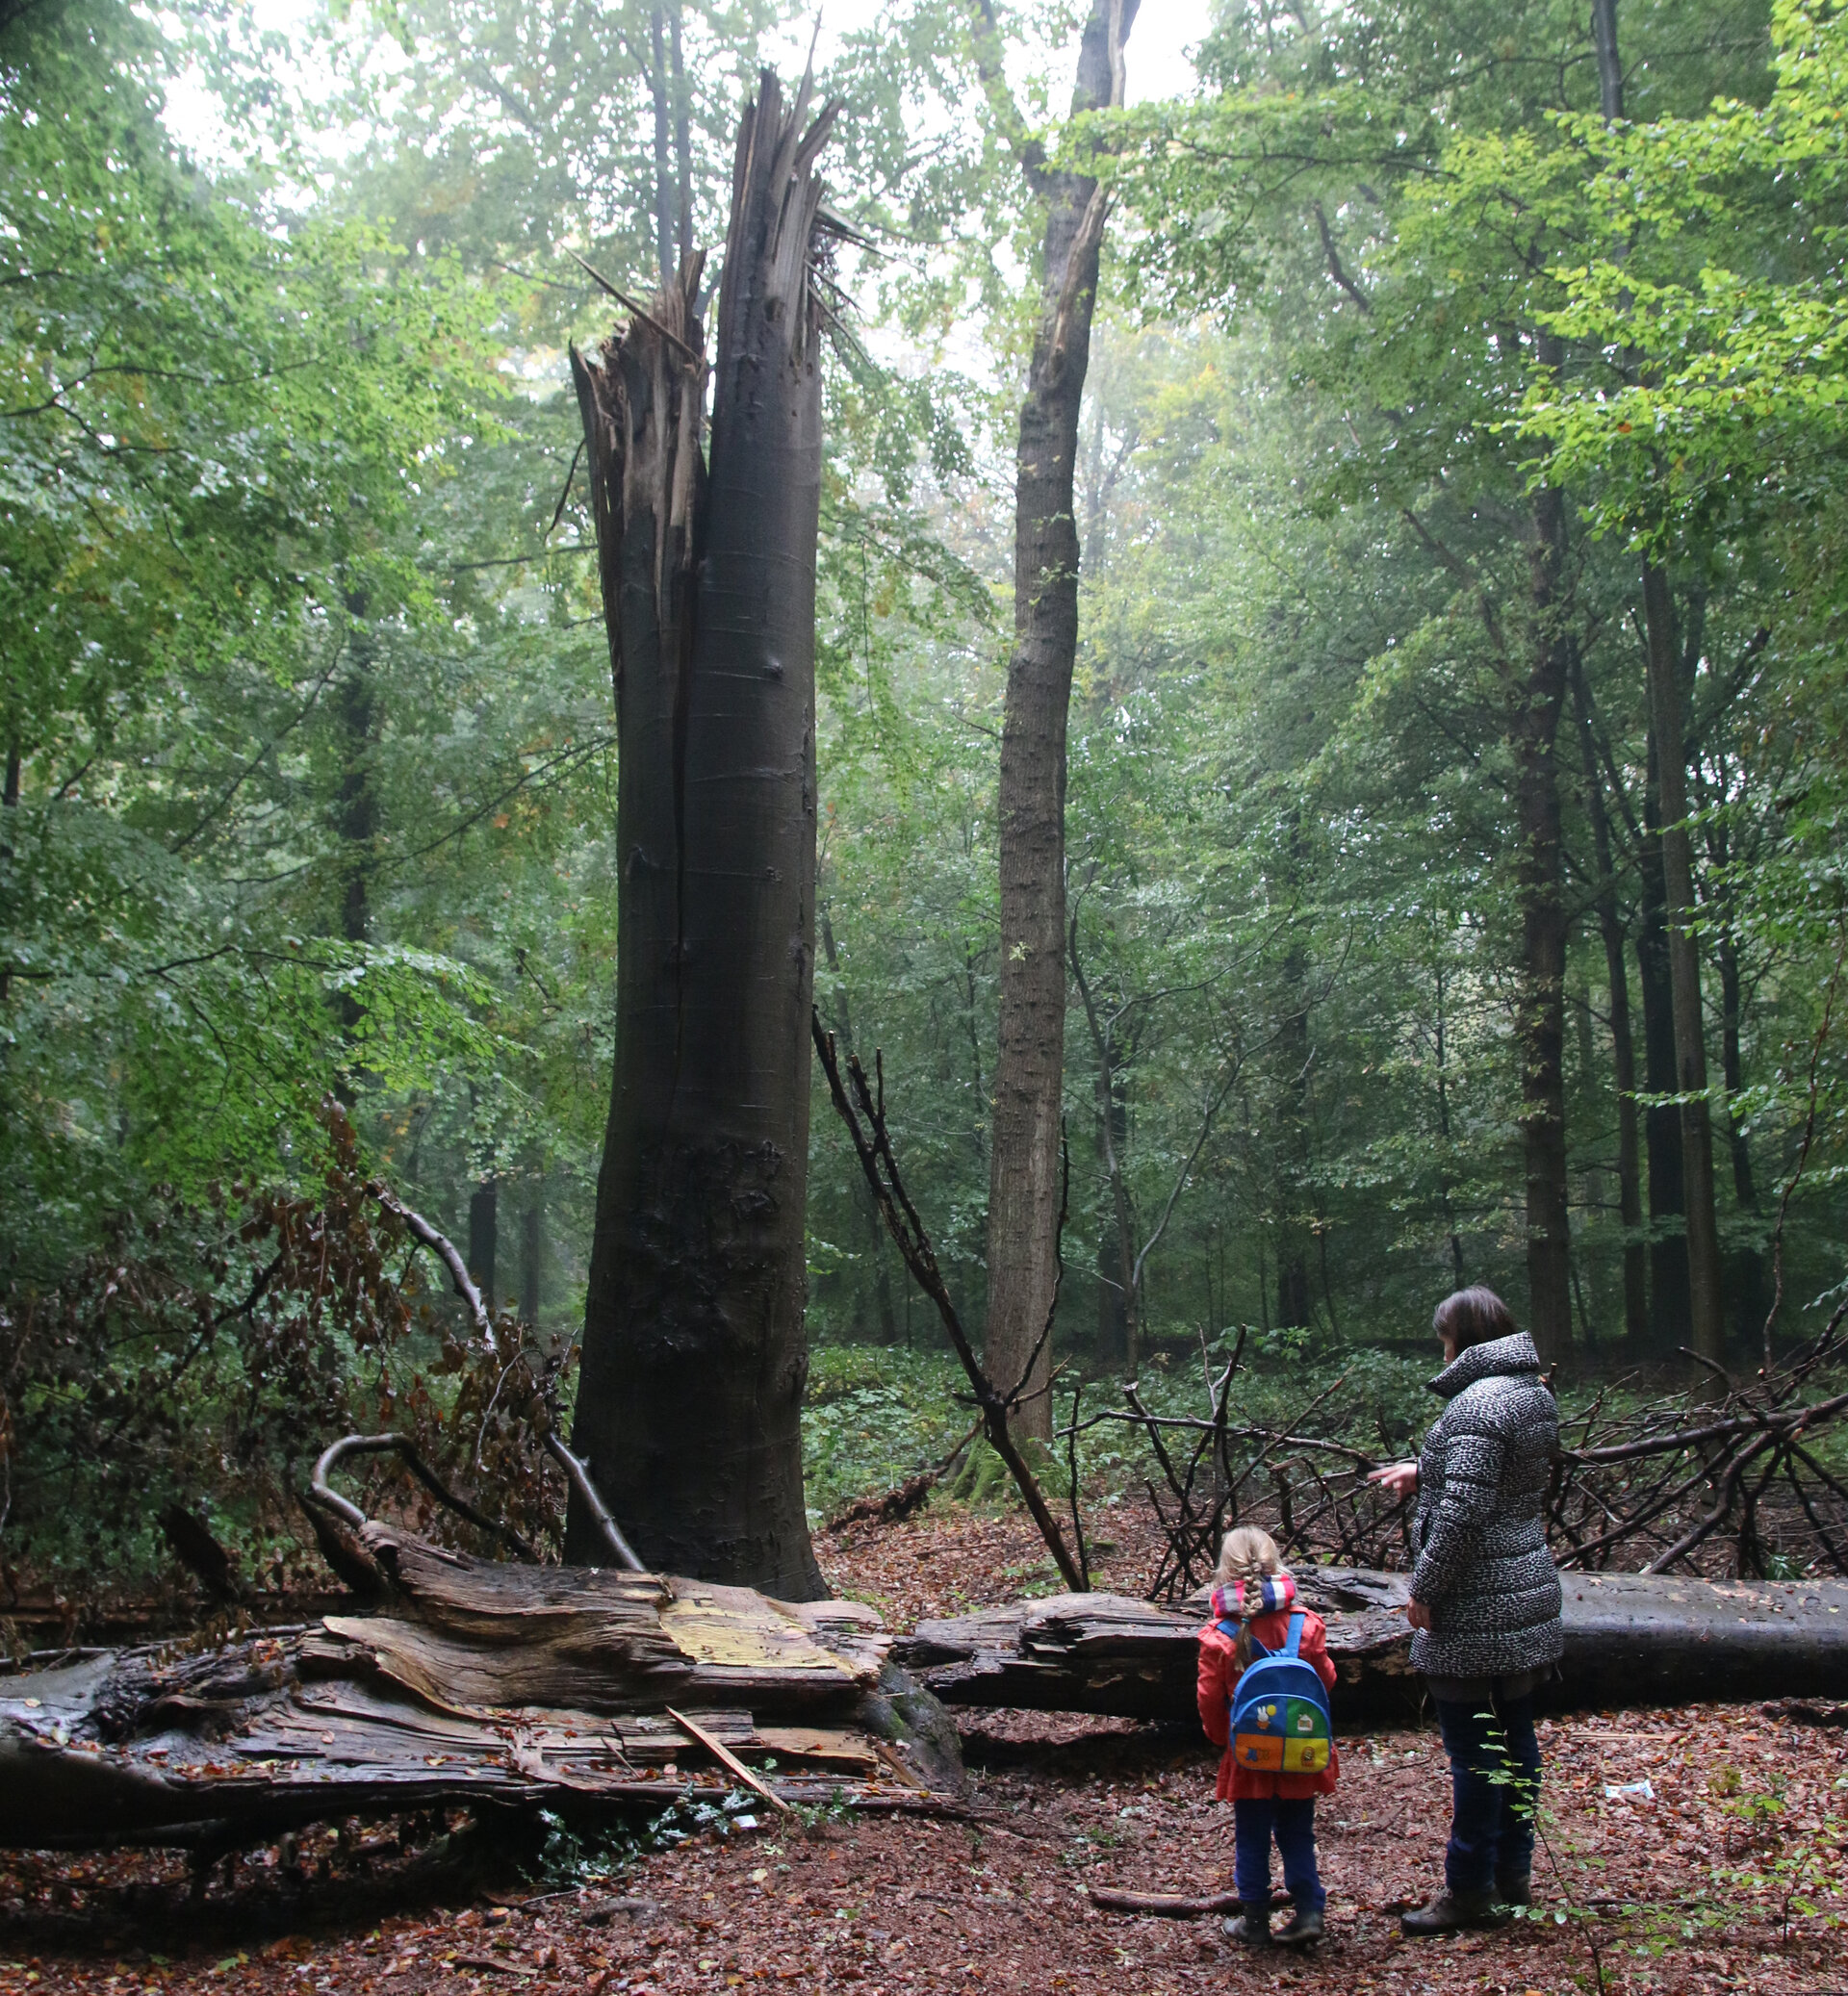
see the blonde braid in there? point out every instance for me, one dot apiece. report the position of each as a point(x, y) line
point(1248, 1556)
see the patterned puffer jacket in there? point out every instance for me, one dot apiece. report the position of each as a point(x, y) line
point(1482, 1565)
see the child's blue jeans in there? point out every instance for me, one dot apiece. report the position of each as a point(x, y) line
point(1294, 1826)
point(1494, 1782)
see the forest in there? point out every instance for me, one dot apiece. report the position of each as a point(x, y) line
point(1267, 653)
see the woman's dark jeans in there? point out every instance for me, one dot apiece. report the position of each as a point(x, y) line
point(1494, 1786)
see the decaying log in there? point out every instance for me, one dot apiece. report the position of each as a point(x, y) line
point(1631, 1639)
point(479, 1683)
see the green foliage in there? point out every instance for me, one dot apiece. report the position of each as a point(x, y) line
point(874, 1415)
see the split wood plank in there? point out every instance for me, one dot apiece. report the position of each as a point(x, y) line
point(725, 1756)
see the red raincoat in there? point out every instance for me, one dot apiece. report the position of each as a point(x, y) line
point(1219, 1671)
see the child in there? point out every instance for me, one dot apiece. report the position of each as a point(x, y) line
point(1254, 1592)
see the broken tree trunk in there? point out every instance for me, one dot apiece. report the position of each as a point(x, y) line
point(1631, 1639)
point(690, 1394)
point(478, 1683)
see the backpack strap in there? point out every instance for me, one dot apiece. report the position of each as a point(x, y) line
point(1292, 1644)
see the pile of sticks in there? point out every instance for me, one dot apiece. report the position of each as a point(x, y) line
point(1733, 1480)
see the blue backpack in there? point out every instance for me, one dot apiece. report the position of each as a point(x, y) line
point(1280, 1721)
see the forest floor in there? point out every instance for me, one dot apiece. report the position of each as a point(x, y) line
point(1728, 1874)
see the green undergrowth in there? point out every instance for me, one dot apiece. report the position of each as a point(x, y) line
point(873, 1417)
point(876, 1415)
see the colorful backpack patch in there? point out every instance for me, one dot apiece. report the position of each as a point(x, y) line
point(1280, 1721)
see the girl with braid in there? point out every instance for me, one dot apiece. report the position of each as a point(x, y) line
point(1255, 1597)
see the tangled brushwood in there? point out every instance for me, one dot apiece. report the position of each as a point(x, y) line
point(181, 1385)
point(1728, 1478)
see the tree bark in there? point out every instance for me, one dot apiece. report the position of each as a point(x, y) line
point(1668, 1300)
point(1540, 1026)
point(1706, 1296)
point(485, 1237)
point(1115, 1256)
point(1024, 1177)
point(1623, 1049)
point(532, 1245)
point(689, 1405)
point(478, 1682)
point(1747, 1282)
point(1294, 1056)
point(1632, 1639)
point(8, 802)
point(664, 198)
point(868, 1212)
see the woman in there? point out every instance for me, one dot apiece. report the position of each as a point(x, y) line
point(1485, 1600)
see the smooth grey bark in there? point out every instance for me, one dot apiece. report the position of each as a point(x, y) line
point(532, 1246)
point(1024, 1177)
point(484, 1235)
point(1668, 1302)
point(1707, 1319)
point(689, 1404)
point(1540, 1019)
point(1622, 1047)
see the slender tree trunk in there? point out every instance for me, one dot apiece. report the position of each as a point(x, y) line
point(1029, 1075)
point(9, 801)
point(1706, 1310)
point(1623, 1050)
point(1668, 1297)
point(1294, 1308)
point(682, 130)
point(664, 202)
point(355, 815)
point(1115, 1256)
point(864, 1206)
point(357, 806)
point(689, 1404)
point(485, 1237)
point(1444, 1131)
point(1747, 1282)
point(532, 1248)
point(1540, 1029)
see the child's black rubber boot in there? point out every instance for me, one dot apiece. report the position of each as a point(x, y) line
point(1252, 1929)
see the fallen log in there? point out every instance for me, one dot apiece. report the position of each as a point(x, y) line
point(480, 1684)
point(1631, 1639)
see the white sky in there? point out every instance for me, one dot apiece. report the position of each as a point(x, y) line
point(1157, 61)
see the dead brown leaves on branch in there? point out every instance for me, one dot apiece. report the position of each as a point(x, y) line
point(202, 1363)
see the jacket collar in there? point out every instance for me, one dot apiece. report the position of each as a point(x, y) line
point(1500, 1355)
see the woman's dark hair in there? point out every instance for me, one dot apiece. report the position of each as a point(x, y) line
point(1472, 1316)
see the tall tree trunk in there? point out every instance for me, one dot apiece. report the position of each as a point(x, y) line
point(1116, 1253)
point(485, 1237)
point(664, 202)
point(355, 815)
point(690, 1398)
point(1294, 1308)
point(1444, 1131)
point(9, 801)
point(1023, 1164)
point(1540, 1026)
point(1668, 1298)
point(532, 1248)
point(877, 1242)
point(1745, 1282)
point(1623, 1050)
point(682, 133)
point(1706, 1310)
